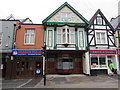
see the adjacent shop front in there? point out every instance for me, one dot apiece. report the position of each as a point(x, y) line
point(119, 58)
point(25, 64)
point(64, 62)
point(99, 60)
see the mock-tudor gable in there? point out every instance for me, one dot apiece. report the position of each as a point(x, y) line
point(100, 31)
point(65, 13)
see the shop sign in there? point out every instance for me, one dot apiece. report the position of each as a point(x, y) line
point(103, 52)
point(26, 52)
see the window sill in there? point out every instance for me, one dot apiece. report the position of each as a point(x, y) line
point(29, 44)
point(65, 43)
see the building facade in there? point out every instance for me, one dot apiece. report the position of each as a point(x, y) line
point(102, 48)
point(115, 22)
point(66, 39)
point(27, 59)
point(7, 32)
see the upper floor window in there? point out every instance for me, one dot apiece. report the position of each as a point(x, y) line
point(101, 37)
point(81, 44)
point(65, 35)
point(50, 39)
point(1, 38)
point(29, 36)
point(99, 20)
point(66, 16)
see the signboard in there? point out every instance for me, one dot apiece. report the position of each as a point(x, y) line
point(103, 52)
point(37, 71)
point(26, 52)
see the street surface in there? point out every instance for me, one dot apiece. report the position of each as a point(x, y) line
point(64, 81)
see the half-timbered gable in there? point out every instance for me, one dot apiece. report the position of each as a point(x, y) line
point(101, 43)
point(101, 33)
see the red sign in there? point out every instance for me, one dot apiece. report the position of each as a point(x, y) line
point(103, 52)
point(118, 52)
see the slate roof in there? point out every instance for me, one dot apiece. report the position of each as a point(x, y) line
point(115, 22)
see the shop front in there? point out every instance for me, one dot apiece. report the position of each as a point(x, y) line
point(119, 58)
point(64, 62)
point(25, 64)
point(100, 59)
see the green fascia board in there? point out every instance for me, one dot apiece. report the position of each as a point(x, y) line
point(70, 7)
point(65, 23)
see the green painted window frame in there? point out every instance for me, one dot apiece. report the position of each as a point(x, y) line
point(82, 39)
point(51, 38)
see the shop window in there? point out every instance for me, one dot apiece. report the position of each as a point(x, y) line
point(18, 64)
point(23, 66)
point(65, 64)
point(38, 64)
point(27, 63)
point(31, 65)
point(98, 62)
point(51, 59)
point(102, 60)
point(94, 61)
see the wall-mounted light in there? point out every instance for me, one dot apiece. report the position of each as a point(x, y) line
point(6, 45)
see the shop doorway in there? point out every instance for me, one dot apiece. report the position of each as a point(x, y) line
point(28, 68)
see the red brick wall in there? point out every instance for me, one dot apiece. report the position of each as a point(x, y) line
point(39, 37)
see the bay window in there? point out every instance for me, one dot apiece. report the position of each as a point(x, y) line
point(65, 35)
point(29, 36)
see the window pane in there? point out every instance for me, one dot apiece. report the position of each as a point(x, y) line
point(72, 36)
point(81, 39)
point(94, 60)
point(50, 38)
point(68, 39)
point(64, 36)
point(98, 37)
point(99, 20)
point(26, 38)
point(103, 37)
point(32, 38)
point(29, 36)
point(102, 60)
point(59, 35)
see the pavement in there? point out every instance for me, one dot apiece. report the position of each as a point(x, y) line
point(79, 81)
point(64, 81)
